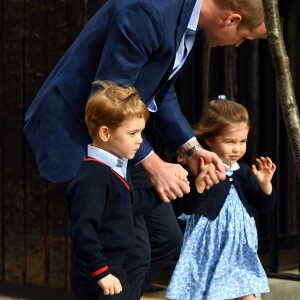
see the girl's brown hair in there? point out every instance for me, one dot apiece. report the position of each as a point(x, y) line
point(217, 115)
point(111, 105)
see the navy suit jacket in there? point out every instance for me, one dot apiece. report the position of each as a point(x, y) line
point(210, 203)
point(128, 42)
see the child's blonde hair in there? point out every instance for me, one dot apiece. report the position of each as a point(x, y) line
point(111, 105)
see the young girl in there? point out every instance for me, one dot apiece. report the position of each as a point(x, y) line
point(218, 259)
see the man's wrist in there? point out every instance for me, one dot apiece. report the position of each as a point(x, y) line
point(192, 151)
point(185, 148)
point(188, 145)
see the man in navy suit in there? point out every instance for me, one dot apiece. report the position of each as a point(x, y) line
point(145, 43)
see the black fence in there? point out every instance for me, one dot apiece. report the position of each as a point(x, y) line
point(34, 248)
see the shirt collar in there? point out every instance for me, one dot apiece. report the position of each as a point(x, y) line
point(115, 163)
point(235, 166)
point(193, 23)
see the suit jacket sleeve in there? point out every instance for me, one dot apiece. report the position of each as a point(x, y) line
point(128, 47)
point(171, 122)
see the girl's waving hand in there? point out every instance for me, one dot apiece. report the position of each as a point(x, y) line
point(264, 173)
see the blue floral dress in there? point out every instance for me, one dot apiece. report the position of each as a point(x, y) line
point(218, 259)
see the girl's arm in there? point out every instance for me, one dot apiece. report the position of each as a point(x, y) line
point(194, 201)
point(203, 180)
point(264, 173)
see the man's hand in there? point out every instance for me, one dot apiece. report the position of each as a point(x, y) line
point(110, 284)
point(209, 157)
point(193, 162)
point(169, 180)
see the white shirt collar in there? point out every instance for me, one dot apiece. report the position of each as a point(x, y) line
point(235, 166)
point(115, 163)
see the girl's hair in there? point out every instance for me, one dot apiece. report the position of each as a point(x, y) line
point(252, 11)
point(111, 105)
point(217, 115)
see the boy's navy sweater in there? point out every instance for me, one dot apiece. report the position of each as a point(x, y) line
point(210, 202)
point(101, 207)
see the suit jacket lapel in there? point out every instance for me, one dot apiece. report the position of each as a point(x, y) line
point(185, 16)
point(183, 20)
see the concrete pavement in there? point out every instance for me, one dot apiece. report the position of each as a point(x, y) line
point(280, 290)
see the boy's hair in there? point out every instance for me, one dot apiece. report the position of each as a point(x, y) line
point(111, 105)
point(252, 11)
point(217, 115)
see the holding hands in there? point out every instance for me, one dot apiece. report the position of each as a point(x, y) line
point(170, 180)
point(208, 157)
point(206, 171)
point(264, 173)
point(208, 168)
point(203, 180)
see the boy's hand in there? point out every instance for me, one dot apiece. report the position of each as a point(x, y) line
point(110, 285)
point(264, 173)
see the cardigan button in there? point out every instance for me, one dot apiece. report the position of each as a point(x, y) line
point(230, 179)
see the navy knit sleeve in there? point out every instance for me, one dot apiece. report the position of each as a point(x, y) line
point(86, 200)
point(144, 200)
point(259, 200)
point(192, 202)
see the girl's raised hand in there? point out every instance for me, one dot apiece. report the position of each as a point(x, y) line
point(264, 173)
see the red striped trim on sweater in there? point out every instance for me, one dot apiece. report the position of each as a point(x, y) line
point(96, 273)
point(114, 172)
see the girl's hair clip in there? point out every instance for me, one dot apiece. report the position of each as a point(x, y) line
point(222, 97)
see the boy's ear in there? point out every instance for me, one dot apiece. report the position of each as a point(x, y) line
point(233, 19)
point(104, 133)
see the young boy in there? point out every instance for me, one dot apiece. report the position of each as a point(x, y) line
point(101, 201)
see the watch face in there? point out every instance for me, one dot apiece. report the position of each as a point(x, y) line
point(194, 149)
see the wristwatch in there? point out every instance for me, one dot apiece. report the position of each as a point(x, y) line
point(192, 151)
